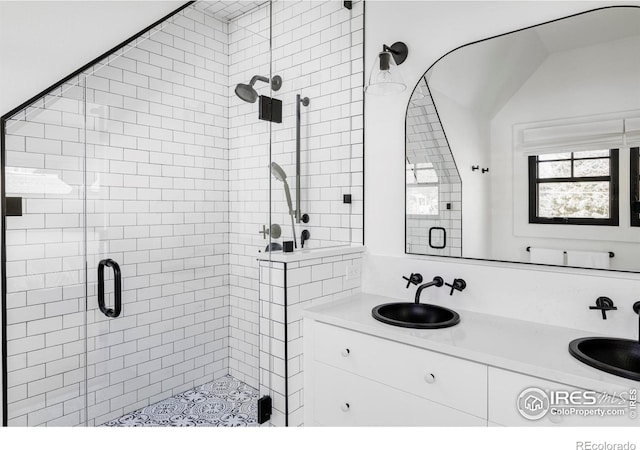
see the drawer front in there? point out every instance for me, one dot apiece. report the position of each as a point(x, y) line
point(345, 399)
point(444, 379)
point(505, 387)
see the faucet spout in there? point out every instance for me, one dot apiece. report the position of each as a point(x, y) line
point(437, 282)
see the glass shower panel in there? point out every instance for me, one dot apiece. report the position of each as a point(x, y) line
point(157, 232)
point(44, 177)
point(319, 143)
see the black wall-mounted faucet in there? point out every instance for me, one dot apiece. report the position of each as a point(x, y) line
point(458, 285)
point(604, 304)
point(437, 282)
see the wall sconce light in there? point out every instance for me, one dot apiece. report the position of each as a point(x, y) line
point(385, 77)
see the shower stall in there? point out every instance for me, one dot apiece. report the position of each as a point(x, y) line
point(134, 193)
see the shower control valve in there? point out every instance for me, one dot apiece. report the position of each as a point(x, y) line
point(264, 232)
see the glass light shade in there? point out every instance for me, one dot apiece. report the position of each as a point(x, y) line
point(385, 77)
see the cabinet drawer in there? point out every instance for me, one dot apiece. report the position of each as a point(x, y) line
point(345, 399)
point(505, 387)
point(444, 379)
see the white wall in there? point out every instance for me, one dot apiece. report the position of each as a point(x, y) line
point(44, 41)
point(430, 29)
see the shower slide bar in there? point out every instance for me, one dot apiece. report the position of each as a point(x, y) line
point(117, 281)
point(304, 101)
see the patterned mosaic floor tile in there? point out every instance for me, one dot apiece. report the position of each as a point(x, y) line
point(225, 402)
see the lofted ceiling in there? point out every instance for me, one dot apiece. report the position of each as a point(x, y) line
point(483, 77)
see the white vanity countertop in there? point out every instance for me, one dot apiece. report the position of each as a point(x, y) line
point(526, 347)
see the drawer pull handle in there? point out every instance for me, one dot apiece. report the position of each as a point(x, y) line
point(430, 378)
point(345, 407)
point(345, 352)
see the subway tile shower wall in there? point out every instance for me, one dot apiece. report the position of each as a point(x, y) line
point(318, 52)
point(157, 203)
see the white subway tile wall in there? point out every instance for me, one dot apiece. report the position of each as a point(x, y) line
point(303, 284)
point(149, 158)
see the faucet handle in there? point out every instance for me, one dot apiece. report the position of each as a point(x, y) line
point(414, 278)
point(604, 304)
point(458, 284)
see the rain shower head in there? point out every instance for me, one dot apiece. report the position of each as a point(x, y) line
point(247, 92)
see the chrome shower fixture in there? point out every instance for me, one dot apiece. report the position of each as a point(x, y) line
point(247, 92)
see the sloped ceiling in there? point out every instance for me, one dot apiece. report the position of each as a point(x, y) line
point(483, 77)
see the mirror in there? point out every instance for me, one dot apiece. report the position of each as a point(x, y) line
point(524, 147)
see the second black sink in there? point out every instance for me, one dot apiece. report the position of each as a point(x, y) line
point(617, 356)
point(415, 315)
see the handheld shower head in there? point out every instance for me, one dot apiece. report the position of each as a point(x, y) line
point(278, 172)
point(279, 175)
point(247, 92)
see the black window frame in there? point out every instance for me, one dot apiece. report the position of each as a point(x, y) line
point(614, 189)
point(635, 185)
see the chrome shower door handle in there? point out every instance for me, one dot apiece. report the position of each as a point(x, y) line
point(117, 293)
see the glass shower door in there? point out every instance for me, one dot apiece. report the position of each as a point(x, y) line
point(45, 290)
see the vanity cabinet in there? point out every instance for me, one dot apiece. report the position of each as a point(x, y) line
point(356, 379)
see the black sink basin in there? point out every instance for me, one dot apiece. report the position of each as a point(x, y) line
point(415, 315)
point(617, 356)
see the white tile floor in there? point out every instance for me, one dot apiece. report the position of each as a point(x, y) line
point(225, 402)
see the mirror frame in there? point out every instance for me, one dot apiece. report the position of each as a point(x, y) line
point(423, 76)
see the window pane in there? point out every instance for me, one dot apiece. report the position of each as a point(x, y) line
point(555, 169)
point(553, 156)
point(591, 167)
point(422, 200)
point(574, 200)
point(591, 154)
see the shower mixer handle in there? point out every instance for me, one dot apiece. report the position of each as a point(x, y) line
point(264, 232)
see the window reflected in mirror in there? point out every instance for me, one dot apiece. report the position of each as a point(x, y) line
point(578, 188)
point(422, 189)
